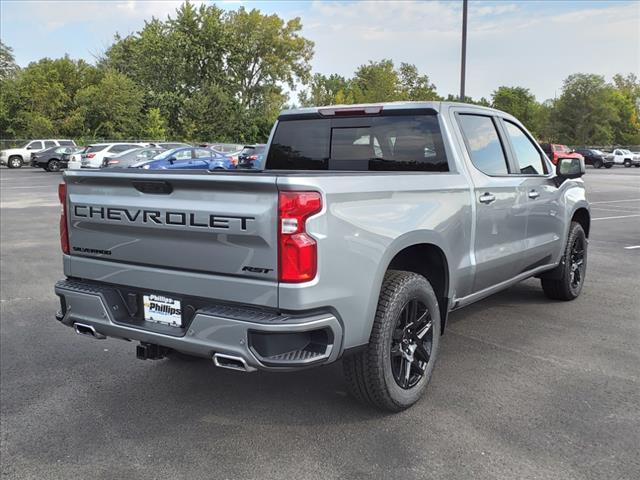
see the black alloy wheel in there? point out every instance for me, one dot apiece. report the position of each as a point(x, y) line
point(411, 344)
point(53, 166)
point(577, 265)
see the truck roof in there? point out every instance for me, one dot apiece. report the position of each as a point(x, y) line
point(434, 105)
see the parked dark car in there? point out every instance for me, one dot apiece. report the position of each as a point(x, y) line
point(130, 157)
point(252, 156)
point(188, 158)
point(595, 158)
point(52, 159)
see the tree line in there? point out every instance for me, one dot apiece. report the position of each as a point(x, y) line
point(208, 74)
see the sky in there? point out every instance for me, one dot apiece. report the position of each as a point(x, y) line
point(534, 44)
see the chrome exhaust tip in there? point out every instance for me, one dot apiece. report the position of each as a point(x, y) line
point(232, 362)
point(82, 329)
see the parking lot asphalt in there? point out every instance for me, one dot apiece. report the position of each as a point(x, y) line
point(524, 388)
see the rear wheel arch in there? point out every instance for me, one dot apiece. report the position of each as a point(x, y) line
point(430, 261)
point(582, 216)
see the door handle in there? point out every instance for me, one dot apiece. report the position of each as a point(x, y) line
point(487, 198)
point(533, 194)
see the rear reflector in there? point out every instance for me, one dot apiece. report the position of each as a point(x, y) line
point(64, 232)
point(297, 250)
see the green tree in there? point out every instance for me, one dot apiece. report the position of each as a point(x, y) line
point(376, 82)
point(626, 101)
point(264, 51)
point(585, 110)
point(414, 86)
point(518, 101)
point(155, 125)
point(324, 90)
point(242, 58)
point(111, 108)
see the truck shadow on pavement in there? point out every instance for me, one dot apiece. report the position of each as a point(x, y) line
point(196, 391)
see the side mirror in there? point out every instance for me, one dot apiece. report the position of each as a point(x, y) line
point(567, 168)
point(171, 160)
point(29, 147)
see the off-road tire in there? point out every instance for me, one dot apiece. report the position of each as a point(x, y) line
point(368, 373)
point(558, 286)
point(597, 164)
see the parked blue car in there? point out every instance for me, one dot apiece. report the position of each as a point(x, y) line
point(188, 158)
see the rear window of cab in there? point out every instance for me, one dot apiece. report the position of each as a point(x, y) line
point(360, 143)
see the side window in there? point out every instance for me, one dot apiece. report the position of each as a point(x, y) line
point(35, 145)
point(203, 153)
point(527, 155)
point(49, 143)
point(118, 148)
point(483, 144)
point(66, 143)
point(184, 154)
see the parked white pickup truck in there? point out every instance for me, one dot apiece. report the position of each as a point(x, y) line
point(625, 157)
point(16, 157)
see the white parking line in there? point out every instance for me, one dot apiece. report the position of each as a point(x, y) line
point(30, 186)
point(617, 201)
point(611, 218)
point(632, 247)
point(616, 209)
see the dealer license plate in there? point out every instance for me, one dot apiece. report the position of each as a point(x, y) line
point(161, 309)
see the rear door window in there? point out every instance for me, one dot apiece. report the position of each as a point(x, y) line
point(527, 155)
point(203, 153)
point(367, 143)
point(66, 143)
point(483, 144)
point(49, 143)
point(95, 148)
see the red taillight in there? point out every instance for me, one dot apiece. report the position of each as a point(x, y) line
point(298, 251)
point(64, 232)
point(252, 157)
point(91, 155)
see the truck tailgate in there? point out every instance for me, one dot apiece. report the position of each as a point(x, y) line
point(223, 225)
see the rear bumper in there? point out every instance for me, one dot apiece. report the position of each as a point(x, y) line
point(263, 339)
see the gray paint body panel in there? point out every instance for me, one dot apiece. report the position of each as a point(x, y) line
point(367, 218)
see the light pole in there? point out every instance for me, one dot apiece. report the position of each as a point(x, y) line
point(463, 65)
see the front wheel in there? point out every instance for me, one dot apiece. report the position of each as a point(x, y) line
point(608, 165)
point(637, 165)
point(566, 281)
point(393, 371)
point(597, 164)
point(627, 163)
point(14, 162)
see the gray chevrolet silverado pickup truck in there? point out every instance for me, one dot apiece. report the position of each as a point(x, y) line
point(365, 226)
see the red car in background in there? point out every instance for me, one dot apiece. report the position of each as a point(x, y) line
point(555, 151)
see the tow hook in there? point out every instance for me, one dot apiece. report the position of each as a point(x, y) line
point(151, 351)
